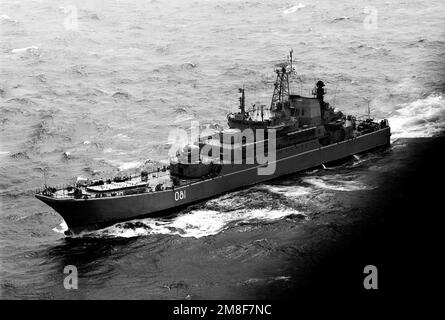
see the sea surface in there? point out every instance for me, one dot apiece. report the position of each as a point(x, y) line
point(95, 88)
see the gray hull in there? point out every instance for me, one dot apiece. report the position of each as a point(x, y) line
point(80, 214)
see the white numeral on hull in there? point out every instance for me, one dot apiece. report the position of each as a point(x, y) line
point(180, 195)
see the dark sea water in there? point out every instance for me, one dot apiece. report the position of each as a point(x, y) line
point(102, 97)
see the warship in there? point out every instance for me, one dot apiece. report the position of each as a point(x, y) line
point(294, 133)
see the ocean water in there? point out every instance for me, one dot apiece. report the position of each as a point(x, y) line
point(92, 88)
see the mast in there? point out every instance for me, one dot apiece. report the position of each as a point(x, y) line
point(281, 87)
point(291, 51)
point(242, 101)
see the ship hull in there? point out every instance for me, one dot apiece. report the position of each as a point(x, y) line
point(94, 213)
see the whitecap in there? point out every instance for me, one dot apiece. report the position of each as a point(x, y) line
point(282, 278)
point(358, 160)
point(62, 227)
point(294, 8)
point(27, 49)
point(340, 18)
point(5, 17)
point(196, 224)
point(287, 191)
point(336, 183)
point(123, 166)
point(419, 119)
point(130, 165)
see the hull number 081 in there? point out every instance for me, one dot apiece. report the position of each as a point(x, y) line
point(180, 195)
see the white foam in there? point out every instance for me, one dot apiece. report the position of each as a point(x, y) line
point(336, 183)
point(27, 49)
point(288, 191)
point(129, 165)
point(282, 278)
point(294, 8)
point(62, 227)
point(358, 160)
point(5, 17)
point(196, 224)
point(122, 165)
point(420, 118)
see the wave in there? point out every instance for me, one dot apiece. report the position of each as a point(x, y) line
point(337, 182)
point(368, 47)
point(123, 166)
point(358, 160)
point(420, 118)
point(62, 228)
point(340, 19)
point(182, 109)
point(6, 18)
point(189, 66)
point(41, 131)
point(294, 8)
point(197, 223)
point(21, 101)
point(79, 70)
point(83, 14)
point(121, 95)
point(287, 191)
point(179, 118)
point(31, 49)
point(20, 155)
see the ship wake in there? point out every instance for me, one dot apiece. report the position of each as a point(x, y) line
point(337, 182)
point(419, 119)
point(197, 223)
